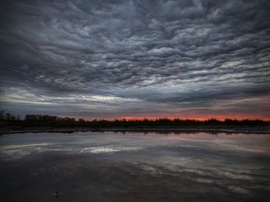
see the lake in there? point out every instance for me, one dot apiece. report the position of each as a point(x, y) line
point(94, 166)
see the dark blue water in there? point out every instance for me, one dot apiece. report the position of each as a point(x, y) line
point(134, 167)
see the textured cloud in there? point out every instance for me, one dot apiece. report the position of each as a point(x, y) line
point(143, 57)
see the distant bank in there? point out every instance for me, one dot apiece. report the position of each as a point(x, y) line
point(46, 123)
point(160, 130)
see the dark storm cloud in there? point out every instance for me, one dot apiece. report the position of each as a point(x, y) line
point(126, 56)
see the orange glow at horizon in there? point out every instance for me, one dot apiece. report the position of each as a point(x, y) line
point(221, 118)
point(198, 118)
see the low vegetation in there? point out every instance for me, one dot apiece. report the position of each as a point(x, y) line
point(9, 120)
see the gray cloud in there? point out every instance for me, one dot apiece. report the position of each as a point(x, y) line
point(157, 57)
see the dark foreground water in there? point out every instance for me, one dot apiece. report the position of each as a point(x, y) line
point(134, 167)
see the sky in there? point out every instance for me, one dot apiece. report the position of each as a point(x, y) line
point(108, 59)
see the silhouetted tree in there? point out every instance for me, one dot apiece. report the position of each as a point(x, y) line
point(2, 115)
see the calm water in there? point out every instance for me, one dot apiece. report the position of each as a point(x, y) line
point(134, 167)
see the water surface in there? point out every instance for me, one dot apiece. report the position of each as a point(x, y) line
point(134, 167)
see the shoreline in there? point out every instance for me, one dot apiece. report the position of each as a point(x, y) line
point(160, 130)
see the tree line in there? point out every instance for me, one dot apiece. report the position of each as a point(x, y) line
point(36, 120)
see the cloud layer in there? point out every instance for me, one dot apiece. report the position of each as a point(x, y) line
point(138, 58)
